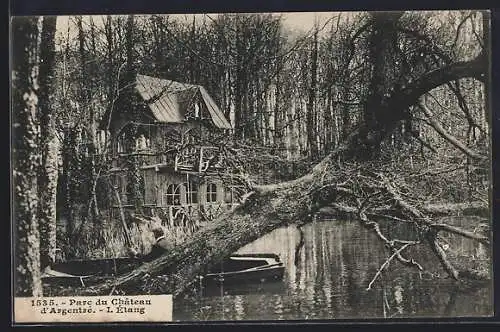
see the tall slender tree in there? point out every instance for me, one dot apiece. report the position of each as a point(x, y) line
point(129, 104)
point(312, 134)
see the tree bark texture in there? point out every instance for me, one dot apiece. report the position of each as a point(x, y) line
point(47, 178)
point(311, 109)
point(26, 156)
point(385, 72)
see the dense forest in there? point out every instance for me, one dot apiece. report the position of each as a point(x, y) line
point(371, 115)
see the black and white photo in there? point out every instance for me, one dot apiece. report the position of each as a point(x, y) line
point(253, 166)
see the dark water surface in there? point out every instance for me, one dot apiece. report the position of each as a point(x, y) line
point(330, 280)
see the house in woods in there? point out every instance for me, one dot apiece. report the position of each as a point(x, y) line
point(168, 136)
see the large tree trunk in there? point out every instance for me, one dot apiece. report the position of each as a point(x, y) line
point(395, 107)
point(26, 156)
point(47, 179)
point(385, 72)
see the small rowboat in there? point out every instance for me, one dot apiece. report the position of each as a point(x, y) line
point(238, 268)
point(247, 268)
point(88, 272)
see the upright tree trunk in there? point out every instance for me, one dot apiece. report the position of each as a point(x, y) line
point(385, 71)
point(68, 177)
point(311, 110)
point(130, 103)
point(292, 130)
point(487, 55)
point(330, 121)
point(47, 179)
point(108, 27)
point(279, 118)
point(346, 56)
point(345, 115)
point(300, 125)
point(93, 70)
point(192, 61)
point(270, 102)
point(252, 120)
point(239, 116)
point(26, 156)
point(86, 89)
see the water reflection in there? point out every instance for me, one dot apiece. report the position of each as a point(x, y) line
point(335, 265)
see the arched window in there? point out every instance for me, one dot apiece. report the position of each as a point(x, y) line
point(142, 143)
point(211, 193)
point(121, 143)
point(172, 195)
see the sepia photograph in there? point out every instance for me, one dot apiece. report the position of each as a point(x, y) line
point(251, 166)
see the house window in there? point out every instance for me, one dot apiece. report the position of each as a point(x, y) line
point(196, 110)
point(191, 193)
point(228, 196)
point(142, 143)
point(211, 193)
point(173, 195)
point(121, 144)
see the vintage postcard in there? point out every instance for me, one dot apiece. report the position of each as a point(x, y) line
point(264, 166)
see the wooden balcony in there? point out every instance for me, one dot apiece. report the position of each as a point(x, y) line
point(199, 159)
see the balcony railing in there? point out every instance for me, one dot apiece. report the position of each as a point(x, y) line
point(146, 157)
point(201, 159)
point(194, 159)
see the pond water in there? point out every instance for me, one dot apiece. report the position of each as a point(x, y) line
point(330, 277)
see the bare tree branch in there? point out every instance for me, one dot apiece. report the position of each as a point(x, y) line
point(447, 136)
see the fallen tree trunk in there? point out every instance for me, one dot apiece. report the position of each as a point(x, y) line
point(265, 210)
point(274, 206)
point(472, 208)
point(435, 210)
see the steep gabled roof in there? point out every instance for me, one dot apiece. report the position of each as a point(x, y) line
point(168, 100)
